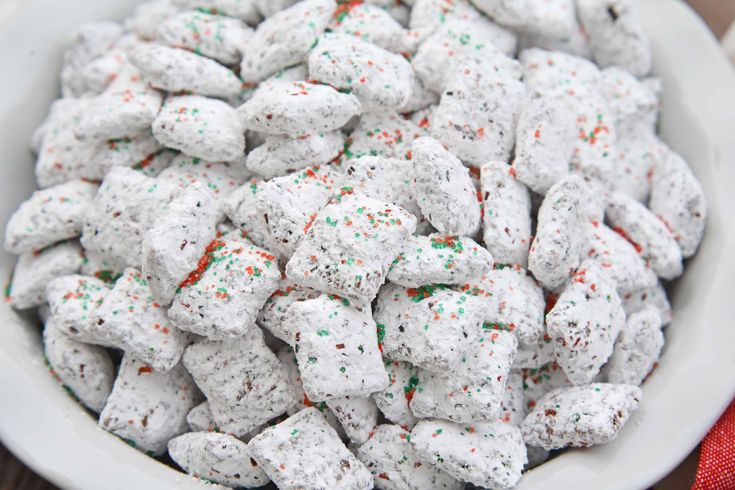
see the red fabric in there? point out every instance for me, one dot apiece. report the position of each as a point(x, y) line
point(716, 469)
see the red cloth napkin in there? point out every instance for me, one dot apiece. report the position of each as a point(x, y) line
point(716, 469)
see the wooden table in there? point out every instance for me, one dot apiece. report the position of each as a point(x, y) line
point(719, 15)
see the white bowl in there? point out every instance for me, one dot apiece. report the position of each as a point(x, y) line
point(686, 394)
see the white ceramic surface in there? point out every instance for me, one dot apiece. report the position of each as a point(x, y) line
point(682, 399)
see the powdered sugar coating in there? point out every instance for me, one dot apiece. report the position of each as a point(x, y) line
point(296, 109)
point(280, 155)
point(585, 322)
point(285, 38)
point(148, 408)
point(474, 390)
point(580, 416)
point(287, 454)
point(244, 382)
point(223, 300)
point(443, 190)
point(556, 248)
point(650, 297)
point(637, 348)
point(489, 455)
point(73, 301)
point(655, 242)
point(48, 216)
point(506, 214)
point(85, 369)
point(349, 247)
point(357, 414)
point(388, 454)
point(394, 401)
point(34, 270)
point(336, 348)
point(200, 127)
point(219, 458)
point(439, 259)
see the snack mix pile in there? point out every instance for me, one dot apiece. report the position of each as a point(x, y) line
point(360, 244)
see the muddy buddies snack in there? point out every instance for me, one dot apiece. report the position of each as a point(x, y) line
point(403, 245)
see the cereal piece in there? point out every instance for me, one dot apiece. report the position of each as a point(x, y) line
point(634, 103)
point(394, 401)
point(506, 214)
point(269, 8)
point(421, 97)
point(272, 315)
point(677, 199)
point(439, 259)
point(619, 258)
point(185, 228)
point(654, 297)
point(547, 18)
point(637, 348)
point(285, 38)
point(638, 154)
point(489, 455)
point(222, 297)
point(534, 355)
point(559, 241)
point(381, 80)
point(387, 135)
point(388, 179)
point(537, 382)
point(556, 73)
point(73, 301)
point(148, 17)
point(431, 326)
point(49, 216)
point(290, 204)
point(178, 70)
point(350, 246)
point(200, 127)
point(286, 453)
point(512, 406)
point(336, 348)
point(61, 156)
point(428, 15)
point(245, 383)
point(124, 152)
point(512, 301)
point(585, 322)
point(127, 204)
point(214, 36)
point(473, 391)
point(99, 73)
point(463, 41)
point(34, 270)
point(130, 319)
point(295, 109)
point(85, 369)
point(246, 10)
point(88, 42)
point(97, 265)
point(375, 25)
point(574, 42)
point(358, 416)
point(128, 106)
point(388, 454)
point(219, 458)
point(199, 419)
point(478, 113)
point(221, 178)
point(648, 234)
point(148, 408)
point(240, 207)
point(616, 36)
point(544, 142)
point(301, 400)
point(280, 155)
point(580, 416)
point(444, 191)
